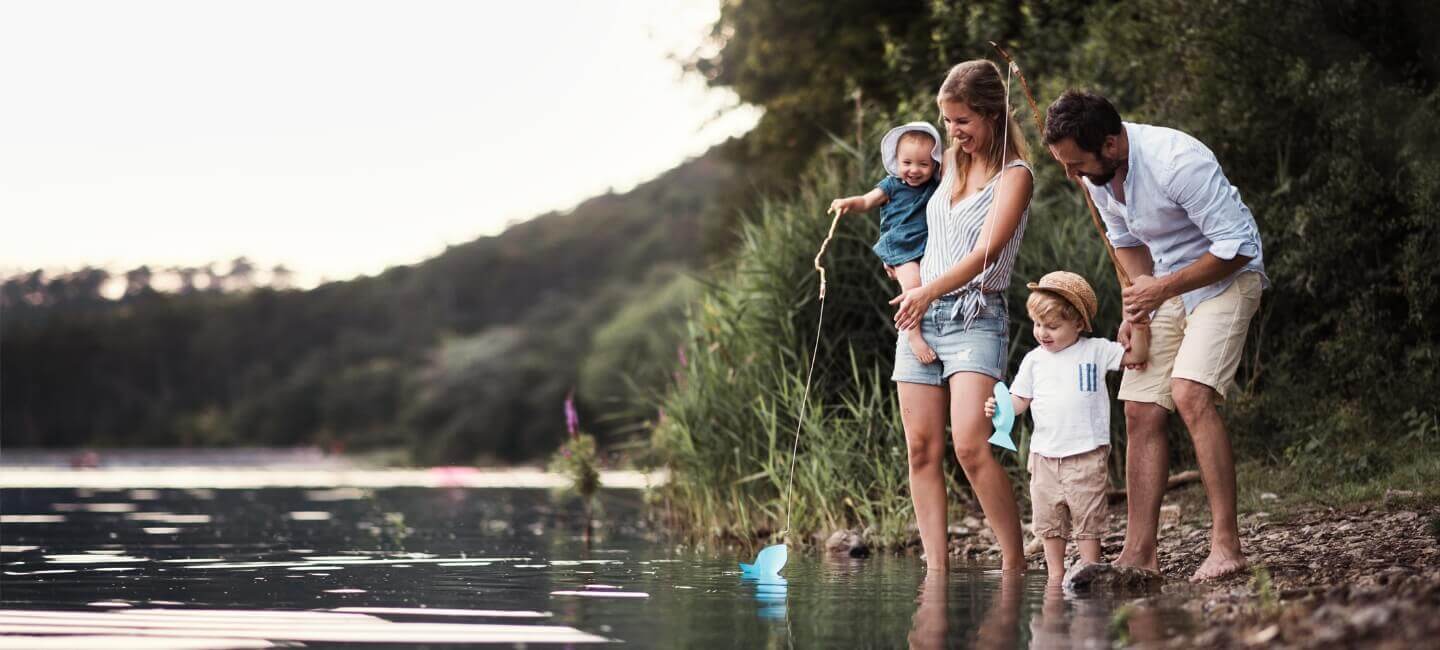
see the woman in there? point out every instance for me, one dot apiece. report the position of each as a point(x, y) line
point(976, 220)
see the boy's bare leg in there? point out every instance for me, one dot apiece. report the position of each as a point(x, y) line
point(1054, 560)
point(908, 274)
point(1147, 461)
point(1089, 550)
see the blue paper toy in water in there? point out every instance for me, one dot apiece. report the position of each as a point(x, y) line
point(768, 563)
point(1004, 418)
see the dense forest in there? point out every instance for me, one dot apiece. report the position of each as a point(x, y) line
point(466, 357)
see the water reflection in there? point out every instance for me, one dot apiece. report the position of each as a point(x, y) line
point(770, 592)
point(999, 626)
point(931, 625)
point(1062, 623)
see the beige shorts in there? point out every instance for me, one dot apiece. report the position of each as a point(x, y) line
point(1203, 346)
point(1068, 494)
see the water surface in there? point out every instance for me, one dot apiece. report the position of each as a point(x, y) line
point(437, 566)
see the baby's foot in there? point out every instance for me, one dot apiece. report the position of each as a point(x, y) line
point(920, 347)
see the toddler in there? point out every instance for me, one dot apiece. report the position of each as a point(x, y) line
point(911, 154)
point(1064, 380)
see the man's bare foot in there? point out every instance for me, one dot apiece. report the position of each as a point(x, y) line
point(1219, 565)
point(920, 347)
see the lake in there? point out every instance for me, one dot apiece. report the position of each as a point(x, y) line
point(436, 566)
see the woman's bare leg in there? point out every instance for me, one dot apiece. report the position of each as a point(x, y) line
point(970, 430)
point(922, 411)
point(908, 275)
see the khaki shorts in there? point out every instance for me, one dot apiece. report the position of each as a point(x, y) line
point(1068, 494)
point(1204, 346)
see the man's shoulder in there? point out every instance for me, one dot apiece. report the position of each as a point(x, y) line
point(1164, 144)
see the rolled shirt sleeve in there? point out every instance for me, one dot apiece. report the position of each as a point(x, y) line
point(1199, 186)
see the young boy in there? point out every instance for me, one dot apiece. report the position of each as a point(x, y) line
point(1064, 380)
point(911, 154)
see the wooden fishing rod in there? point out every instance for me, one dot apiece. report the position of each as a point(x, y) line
point(1120, 273)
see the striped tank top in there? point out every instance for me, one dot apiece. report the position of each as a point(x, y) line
point(954, 230)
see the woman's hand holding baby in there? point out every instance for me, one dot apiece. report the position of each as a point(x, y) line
point(911, 306)
point(989, 407)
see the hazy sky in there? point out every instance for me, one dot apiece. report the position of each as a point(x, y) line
point(335, 137)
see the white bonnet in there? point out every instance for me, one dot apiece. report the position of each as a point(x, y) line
point(891, 142)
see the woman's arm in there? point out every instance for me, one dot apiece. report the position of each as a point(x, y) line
point(1011, 198)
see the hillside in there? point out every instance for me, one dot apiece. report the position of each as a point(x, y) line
point(461, 357)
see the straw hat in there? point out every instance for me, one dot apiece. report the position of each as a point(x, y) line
point(891, 142)
point(1074, 289)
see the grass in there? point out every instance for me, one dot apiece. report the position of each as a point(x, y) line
point(1417, 473)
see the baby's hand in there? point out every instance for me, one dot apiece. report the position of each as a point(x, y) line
point(839, 206)
point(990, 407)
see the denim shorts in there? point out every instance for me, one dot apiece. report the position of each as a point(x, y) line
point(982, 348)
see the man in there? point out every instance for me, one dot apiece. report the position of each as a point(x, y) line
point(1192, 250)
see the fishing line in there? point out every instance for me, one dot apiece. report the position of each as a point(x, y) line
point(810, 374)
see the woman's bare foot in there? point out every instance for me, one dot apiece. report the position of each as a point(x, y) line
point(920, 347)
point(1219, 565)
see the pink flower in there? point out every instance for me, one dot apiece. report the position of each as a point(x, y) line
point(572, 419)
point(680, 352)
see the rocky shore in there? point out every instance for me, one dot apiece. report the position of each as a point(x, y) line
point(1367, 576)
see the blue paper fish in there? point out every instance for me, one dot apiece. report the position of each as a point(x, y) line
point(768, 563)
point(1004, 418)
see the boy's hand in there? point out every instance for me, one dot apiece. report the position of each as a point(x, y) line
point(989, 407)
point(839, 206)
point(1132, 335)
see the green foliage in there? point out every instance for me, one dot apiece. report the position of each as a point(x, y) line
point(578, 460)
point(633, 354)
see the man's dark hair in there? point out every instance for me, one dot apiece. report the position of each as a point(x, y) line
point(1084, 116)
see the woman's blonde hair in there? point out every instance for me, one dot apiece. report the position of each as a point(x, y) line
point(977, 84)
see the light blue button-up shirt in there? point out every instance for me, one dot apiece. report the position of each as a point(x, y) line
point(1179, 204)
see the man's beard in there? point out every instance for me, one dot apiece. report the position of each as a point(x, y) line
point(1108, 167)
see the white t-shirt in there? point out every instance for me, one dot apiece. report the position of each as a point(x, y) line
point(1069, 399)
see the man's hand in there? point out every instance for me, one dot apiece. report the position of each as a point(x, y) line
point(1142, 297)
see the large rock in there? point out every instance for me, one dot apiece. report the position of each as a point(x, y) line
point(1084, 577)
